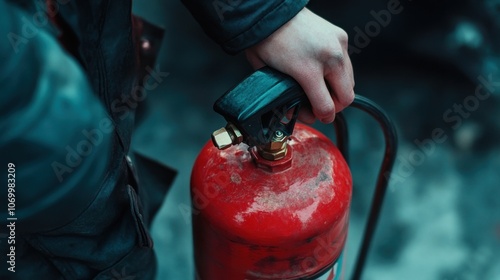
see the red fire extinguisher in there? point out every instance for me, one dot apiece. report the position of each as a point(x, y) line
point(270, 196)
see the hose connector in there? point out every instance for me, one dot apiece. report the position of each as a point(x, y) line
point(276, 149)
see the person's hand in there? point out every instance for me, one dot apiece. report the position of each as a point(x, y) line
point(314, 52)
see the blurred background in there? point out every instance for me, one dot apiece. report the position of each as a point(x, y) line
point(433, 66)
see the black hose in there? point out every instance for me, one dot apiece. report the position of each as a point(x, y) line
point(391, 143)
point(341, 131)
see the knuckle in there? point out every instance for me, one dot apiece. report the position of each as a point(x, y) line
point(336, 58)
point(343, 37)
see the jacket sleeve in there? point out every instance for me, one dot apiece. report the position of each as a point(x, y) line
point(239, 24)
point(55, 135)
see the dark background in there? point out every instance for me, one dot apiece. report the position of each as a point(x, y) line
point(441, 219)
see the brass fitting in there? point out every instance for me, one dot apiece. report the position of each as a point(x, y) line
point(225, 137)
point(276, 149)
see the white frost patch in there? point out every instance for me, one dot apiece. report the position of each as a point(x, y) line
point(305, 214)
point(299, 195)
point(239, 218)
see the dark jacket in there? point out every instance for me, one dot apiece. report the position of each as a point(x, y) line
point(67, 110)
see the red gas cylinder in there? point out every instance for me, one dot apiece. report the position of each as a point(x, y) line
point(255, 218)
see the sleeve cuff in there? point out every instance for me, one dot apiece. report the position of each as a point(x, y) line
point(265, 26)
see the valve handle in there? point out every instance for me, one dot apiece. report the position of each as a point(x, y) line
point(258, 105)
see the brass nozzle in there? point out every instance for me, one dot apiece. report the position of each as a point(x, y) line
point(225, 137)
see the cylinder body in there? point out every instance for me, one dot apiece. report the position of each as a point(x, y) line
point(252, 223)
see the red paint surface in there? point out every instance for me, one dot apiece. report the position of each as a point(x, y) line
point(249, 223)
